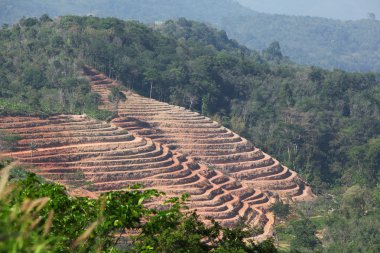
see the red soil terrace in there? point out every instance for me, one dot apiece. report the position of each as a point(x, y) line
point(91, 157)
point(159, 146)
point(205, 140)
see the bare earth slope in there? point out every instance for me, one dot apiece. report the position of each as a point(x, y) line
point(91, 157)
point(227, 177)
point(207, 141)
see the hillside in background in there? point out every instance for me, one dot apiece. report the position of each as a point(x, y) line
point(323, 124)
point(347, 45)
point(335, 9)
point(145, 11)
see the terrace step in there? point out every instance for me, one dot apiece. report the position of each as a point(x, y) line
point(104, 157)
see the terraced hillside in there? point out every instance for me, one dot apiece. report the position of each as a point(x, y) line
point(91, 157)
point(207, 141)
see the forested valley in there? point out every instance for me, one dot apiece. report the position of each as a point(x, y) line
point(323, 124)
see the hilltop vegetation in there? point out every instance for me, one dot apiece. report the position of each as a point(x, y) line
point(347, 45)
point(39, 73)
point(324, 124)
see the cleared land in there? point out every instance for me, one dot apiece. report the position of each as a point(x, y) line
point(159, 146)
point(91, 157)
point(207, 141)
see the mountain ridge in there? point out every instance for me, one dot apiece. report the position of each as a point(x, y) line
point(347, 45)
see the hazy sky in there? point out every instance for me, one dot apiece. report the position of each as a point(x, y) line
point(337, 9)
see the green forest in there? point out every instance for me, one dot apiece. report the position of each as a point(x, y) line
point(348, 45)
point(323, 124)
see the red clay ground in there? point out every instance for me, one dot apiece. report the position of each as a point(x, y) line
point(91, 157)
point(207, 141)
point(160, 146)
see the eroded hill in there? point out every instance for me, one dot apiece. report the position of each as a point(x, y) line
point(204, 139)
point(91, 157)
point(227, 178)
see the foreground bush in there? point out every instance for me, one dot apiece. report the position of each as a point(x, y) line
point(37, 216)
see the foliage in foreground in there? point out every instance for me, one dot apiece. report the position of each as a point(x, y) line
point(36, 216)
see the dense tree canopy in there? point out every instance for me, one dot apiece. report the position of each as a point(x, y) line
point(348, 45)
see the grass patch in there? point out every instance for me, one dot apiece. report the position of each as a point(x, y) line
point(102, 115)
